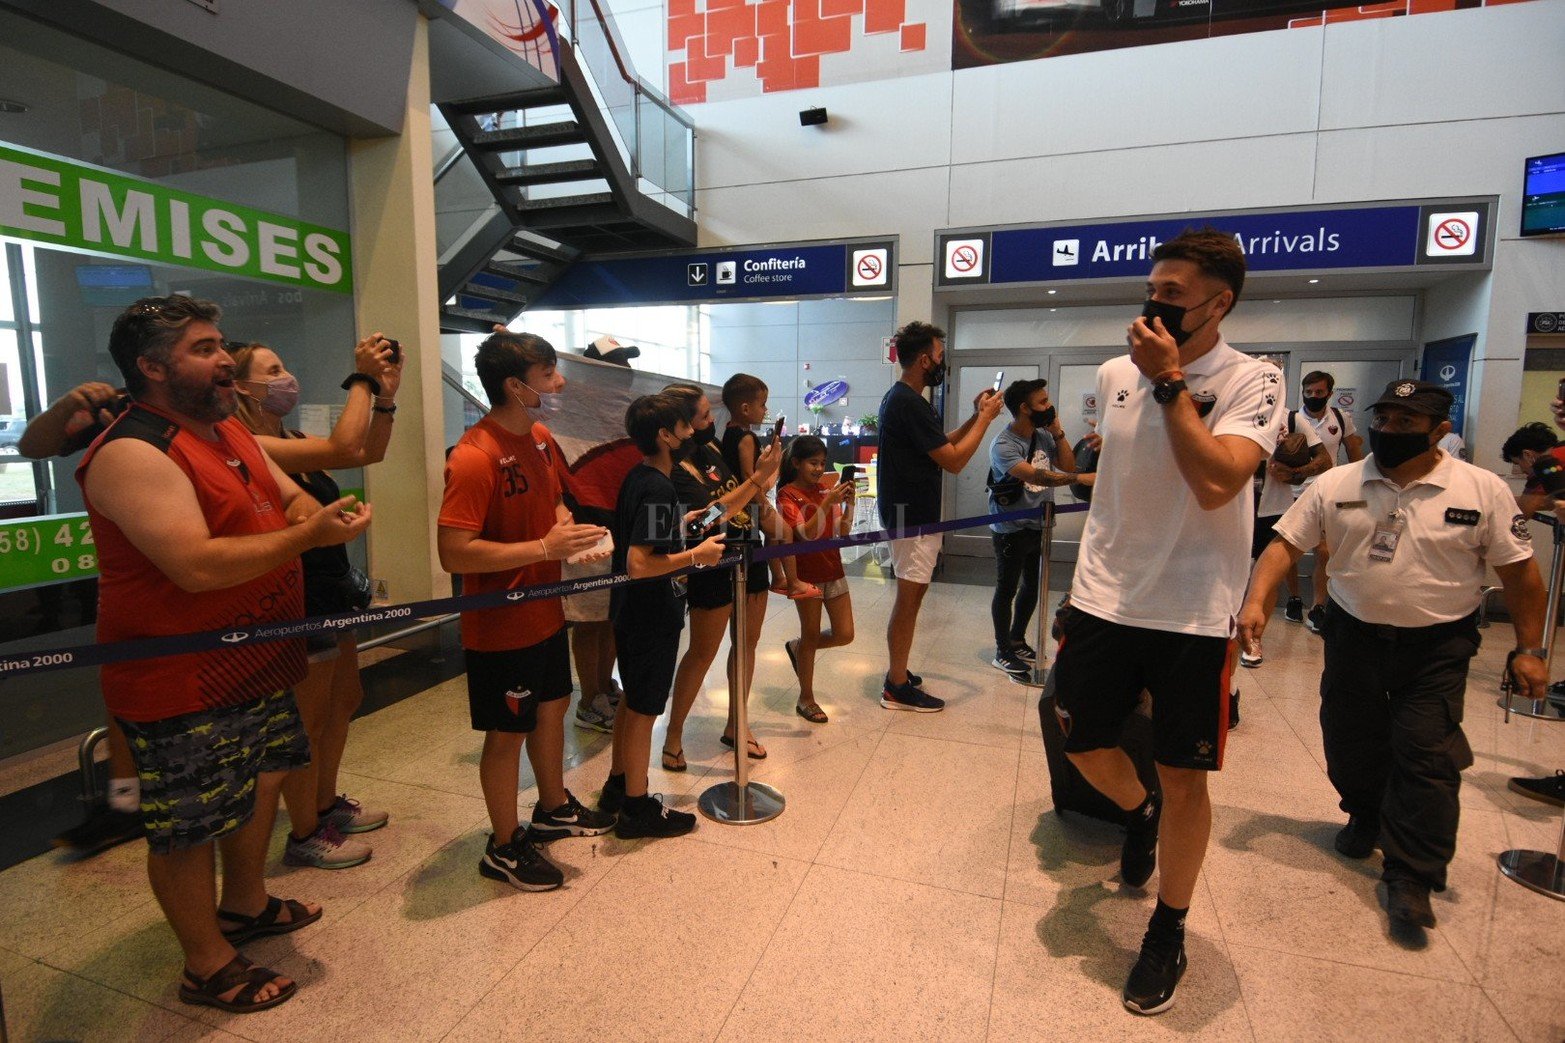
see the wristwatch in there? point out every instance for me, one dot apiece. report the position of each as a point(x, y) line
point(1165, 391)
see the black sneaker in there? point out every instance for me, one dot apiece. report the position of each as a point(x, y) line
point(1138, 858)
point(569, 820)
point(1233, 711)
point(1150, 987)
point(909, 697)
point(648, 816)
point(1357, 838)
point(1316, 618)
point(520, 864)
point(1293, 611)
point(1550, 789)
point(1407, 903)
point(613, 796)
point(102, 829)
point(1012, 664)
point(1025, 652)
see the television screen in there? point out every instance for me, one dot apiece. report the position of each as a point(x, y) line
point(1543, 195)
point(113, 285)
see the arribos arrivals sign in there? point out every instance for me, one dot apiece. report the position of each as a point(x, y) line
point(59, 202)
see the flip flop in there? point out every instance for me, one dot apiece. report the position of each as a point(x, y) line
point(811, 712)
point(793, 657)
point(674, 761)
point(752, 748)
point(810, 591)
point(247, 928)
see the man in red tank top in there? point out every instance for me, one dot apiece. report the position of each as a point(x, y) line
point(197, 529)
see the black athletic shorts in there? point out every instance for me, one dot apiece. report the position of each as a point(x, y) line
point(646, 667)
point(1101, 669)
point(714, 588)
point(505, 688)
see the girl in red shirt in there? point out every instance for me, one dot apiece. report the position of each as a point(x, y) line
point(816, 507)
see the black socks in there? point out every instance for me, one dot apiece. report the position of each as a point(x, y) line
point(1168, 922)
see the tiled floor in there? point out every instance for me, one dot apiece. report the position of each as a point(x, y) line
point(918, 886)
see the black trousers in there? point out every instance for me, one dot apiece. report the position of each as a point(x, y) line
point(1391, 719)
point(1016, 560)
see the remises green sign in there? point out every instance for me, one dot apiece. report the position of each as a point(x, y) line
point(61, 202)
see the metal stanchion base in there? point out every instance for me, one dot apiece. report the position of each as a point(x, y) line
point(1535, 870)
point(726, 802)
point(1035, 679)
point(1537, 709)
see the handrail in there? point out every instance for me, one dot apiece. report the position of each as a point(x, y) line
point(453, 379)
point(626, 73)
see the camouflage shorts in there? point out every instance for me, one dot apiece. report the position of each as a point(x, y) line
point(198, 770)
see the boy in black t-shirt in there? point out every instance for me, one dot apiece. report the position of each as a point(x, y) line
point(648, 615)
point(744, 396)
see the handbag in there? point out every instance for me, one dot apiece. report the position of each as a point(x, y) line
point(348, 592)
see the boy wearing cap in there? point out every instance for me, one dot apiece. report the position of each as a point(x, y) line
point(1411, 529)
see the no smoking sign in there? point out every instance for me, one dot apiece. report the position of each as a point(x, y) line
point(870, 267)
point(1452, 234)
point(964, 259)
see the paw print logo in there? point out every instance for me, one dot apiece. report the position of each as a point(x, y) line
point(1261, 420)
point(1270, 399)
point(1203, 748)
point(1273, 377)
point(1120, 396)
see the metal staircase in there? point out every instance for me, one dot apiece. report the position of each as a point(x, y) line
point(599, 163)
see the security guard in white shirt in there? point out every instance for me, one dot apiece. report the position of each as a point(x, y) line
point(1411, 529)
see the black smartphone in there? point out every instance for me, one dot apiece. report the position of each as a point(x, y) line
point(849, 473)
point(777, 430)
point(396, 351)
point(999, 380)
point(698, 527)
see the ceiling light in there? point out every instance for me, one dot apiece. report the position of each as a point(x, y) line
point(1314, 281)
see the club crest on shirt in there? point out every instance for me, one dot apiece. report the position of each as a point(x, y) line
point(1519, 528)
point(1331, 431)
point(513, 700)
point(1204, 401)
point(711, 473)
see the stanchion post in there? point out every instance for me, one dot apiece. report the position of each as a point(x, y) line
point(1040, 671)
point(1539, 708)
point(741, 802)
point(1538, 870)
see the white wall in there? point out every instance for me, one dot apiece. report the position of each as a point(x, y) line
point(1350, 112)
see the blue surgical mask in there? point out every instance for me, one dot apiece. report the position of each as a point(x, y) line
point(550, 403)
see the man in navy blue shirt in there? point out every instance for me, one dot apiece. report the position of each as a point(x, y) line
point(914, 450)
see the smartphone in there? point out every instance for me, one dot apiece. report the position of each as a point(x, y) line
point(777, 430)
point(1560, 392)
point(999, 381)
point(850, 472)
point(396, 351)
point(698, 527)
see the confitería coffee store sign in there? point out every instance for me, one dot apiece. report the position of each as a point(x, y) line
point(77, 206)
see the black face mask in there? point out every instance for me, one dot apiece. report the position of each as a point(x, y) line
point(937, 376)
point(1173, 317)
point(1044, 418)
point(1392, 449)
point(704, 435)
point(1315, 405)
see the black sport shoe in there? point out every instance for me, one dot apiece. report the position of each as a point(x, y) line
point(1138, 858)
point(1150, 987)
point(520, 864)
point(1293, 611)
point(909, 697)
point(1550, 789)
point(648, 816)
point(1407, 903)
point(570, 819)
point(1357, 838)
point(1315, 618)
point(102, 829)
point(1012, 664)
point(613, 796)
point(1025, 652)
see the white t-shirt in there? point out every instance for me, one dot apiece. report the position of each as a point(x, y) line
point(1454, 519)
point(1452, 443)
point(1332, 434)
point(1277, 495)
point(1150, 556)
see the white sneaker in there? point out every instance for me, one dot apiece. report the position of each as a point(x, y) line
point(326, 848)
point(1251, 661)
point(597, 715)
point(349, 816)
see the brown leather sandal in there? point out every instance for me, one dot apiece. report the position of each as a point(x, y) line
point(206, 992)
point(265, 922)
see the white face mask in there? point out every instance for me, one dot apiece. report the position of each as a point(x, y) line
point(550, 403)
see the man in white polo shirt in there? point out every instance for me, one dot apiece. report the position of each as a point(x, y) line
point(1411, 529)
point(1336, 430)
point(1161, 574)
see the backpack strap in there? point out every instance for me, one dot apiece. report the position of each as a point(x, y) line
point(144, 424)
point(1293, 416)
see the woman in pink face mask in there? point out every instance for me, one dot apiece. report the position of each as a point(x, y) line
point(321, 819)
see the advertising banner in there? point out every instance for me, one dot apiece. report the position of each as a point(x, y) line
point(1447, 363)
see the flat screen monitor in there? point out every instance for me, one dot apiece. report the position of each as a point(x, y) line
point(1543, 195)
point(113, 285)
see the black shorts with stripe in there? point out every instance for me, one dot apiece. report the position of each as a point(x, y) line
point(1102, 668)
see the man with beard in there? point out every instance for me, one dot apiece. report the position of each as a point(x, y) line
point(196, 529)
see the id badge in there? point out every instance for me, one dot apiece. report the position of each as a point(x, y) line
point(1388, 533)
